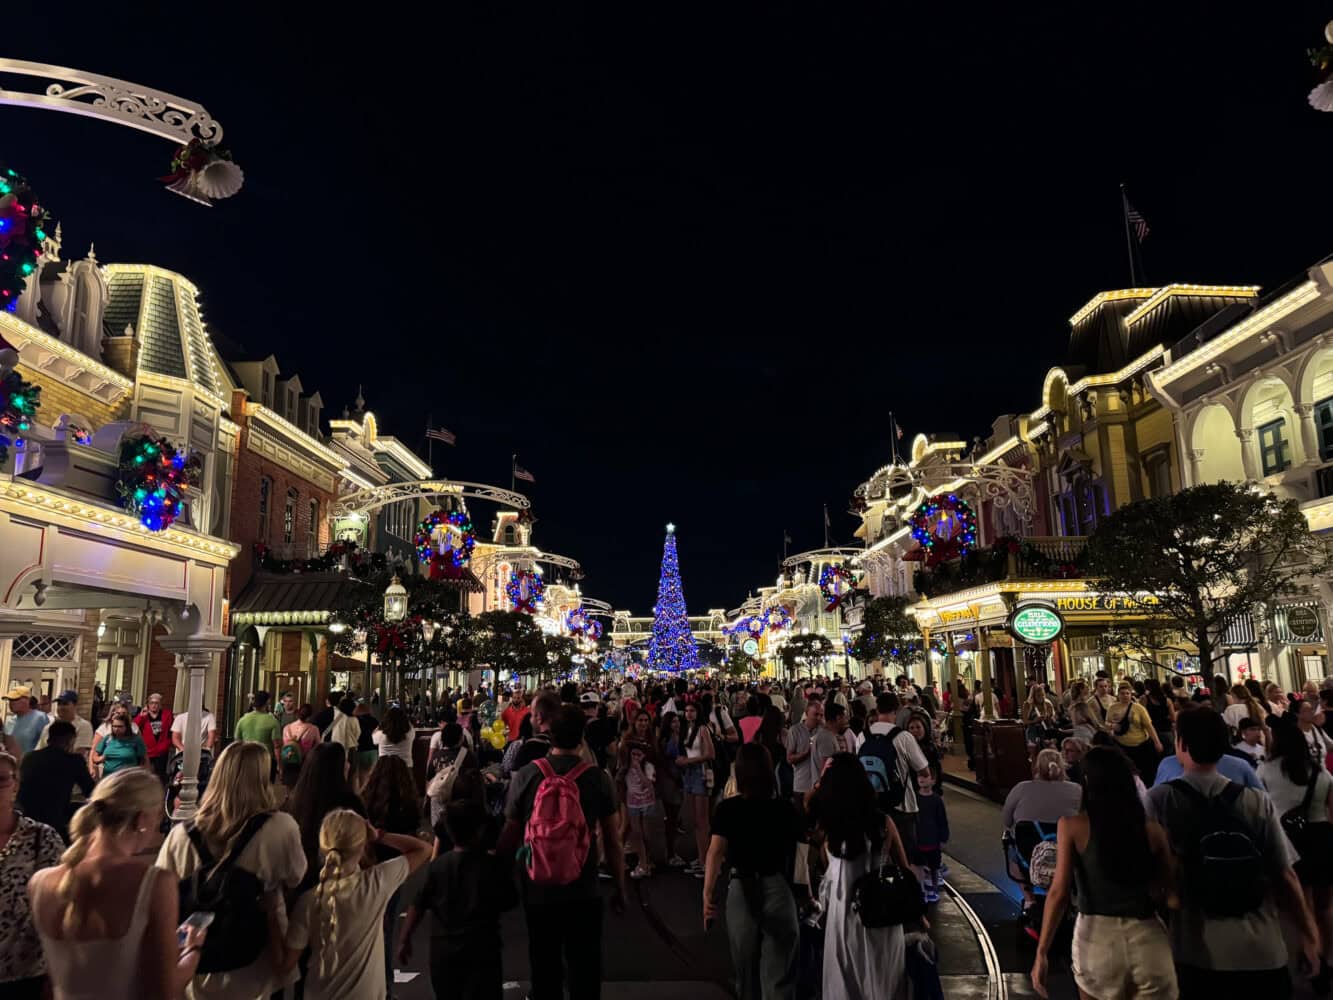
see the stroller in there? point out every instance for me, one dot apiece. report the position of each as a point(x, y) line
point(1029, 854)
point(175, 762)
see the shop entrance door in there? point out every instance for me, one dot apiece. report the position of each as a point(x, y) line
point(295, 683)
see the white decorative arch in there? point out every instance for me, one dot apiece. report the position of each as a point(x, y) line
point(1055, 377)
point(1317, 362)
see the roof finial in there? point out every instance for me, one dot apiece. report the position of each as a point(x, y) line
point(92, 255)
point(360, 401)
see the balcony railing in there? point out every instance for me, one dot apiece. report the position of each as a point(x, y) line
point(1036, 558)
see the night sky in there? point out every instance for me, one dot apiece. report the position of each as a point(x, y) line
point(685, 266)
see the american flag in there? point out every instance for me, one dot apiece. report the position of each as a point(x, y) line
point(1137, 221)
point(440, 434)
point(524, 474)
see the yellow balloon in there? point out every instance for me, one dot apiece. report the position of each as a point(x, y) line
point(497, 740)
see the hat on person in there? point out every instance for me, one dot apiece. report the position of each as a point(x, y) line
point(590, 698)
point(67, 698)
point(19, 691)
point(867, 686)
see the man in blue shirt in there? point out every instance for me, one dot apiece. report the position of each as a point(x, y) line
point(1229, 767)
point(25, 723)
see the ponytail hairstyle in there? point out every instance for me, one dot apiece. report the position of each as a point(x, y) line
point(342, 838)
point(1050, 766)
point(114, 810)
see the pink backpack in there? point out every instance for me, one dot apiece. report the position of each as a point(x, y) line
point(557, 835)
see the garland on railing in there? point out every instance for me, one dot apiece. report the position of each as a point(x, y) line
point(358, 560)
point(991, 564)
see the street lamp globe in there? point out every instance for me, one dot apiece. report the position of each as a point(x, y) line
point(395, 601)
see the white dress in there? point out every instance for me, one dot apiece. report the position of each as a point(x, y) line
point(860, 963)
point(100, 968)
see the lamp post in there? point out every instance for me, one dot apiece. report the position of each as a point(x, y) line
point(395, 610)
point(427, 634)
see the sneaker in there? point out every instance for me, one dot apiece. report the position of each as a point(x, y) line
point(932, 896)
point(640, 872)
point(676, 861)
point(693, 867)
point(943, 870)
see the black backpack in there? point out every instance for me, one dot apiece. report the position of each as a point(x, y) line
point(238, 934)
point(881, 745)
point(1225, 874)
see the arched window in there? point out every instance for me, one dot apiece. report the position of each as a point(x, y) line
point(509, 534)
point(289, 516)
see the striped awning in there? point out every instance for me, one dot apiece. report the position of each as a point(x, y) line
point(1240, 634)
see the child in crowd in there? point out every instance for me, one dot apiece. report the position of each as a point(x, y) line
point(1252, 741)
point(465, 891)
point(932, 833)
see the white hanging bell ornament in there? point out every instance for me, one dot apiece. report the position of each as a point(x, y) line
point(219, 179)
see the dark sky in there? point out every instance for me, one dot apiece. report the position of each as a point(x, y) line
point(684, 265)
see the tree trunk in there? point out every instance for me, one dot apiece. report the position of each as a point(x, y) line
point(1205, 645)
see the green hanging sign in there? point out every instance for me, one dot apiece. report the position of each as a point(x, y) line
point(1036, 624)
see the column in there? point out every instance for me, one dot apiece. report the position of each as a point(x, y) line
point(194, 651)
point(987, 683)
point(1194, 466)
point(950, 670)
point(1309, 433)
point(1248, 456)
point(925, 637)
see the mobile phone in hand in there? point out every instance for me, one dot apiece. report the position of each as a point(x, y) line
point(199, 919)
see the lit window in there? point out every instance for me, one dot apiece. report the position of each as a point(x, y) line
point(289, 516)
point(1274, 448)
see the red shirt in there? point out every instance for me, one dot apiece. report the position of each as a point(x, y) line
point(157, 744)
point(513, 717)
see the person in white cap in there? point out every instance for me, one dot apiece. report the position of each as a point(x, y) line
point(24, 724)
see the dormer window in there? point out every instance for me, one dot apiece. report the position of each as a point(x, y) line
point(266, 396)
point(509, 534)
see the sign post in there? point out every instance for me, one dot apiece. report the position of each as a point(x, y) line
point(1036, 625)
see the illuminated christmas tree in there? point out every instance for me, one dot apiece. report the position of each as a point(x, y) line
point(672, 646)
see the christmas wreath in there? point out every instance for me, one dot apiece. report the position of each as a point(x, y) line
point(524, 590)
point(460, 537)
point(580, 623)
point(945, 527)
point(22, 223)
point(19, 400)
point(836, 584)
point(152, 478)
point(777, 618)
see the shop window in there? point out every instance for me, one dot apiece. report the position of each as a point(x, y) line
point(289, 516)
point(1323, 419)
point(1274, 448)
point(1082, 506)
point(265, 500)
point(312, 531)
point(509, 534)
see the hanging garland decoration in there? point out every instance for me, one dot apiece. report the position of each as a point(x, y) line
point(945, 527)
point(22, 230)
point(459, 537)
point(836, 583)
point(152, 478)
point(524, 591)
point(203, 173)
point(358, 560)
point(19, 400)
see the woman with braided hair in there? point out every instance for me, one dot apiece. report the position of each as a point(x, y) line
point(239, 810)
point(95, 945)
point(341, 919)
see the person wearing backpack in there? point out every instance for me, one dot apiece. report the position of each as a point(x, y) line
point(897, 754)
point(1236, 865)
point(298, 740)
point(555, 803)
point(236, 848)
point(1302, 795)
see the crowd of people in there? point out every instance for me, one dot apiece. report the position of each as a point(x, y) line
point(1190, 828)
point(812, 816)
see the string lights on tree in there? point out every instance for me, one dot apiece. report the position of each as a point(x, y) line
point(19, 400)
point(672, 647)
point(22, 230)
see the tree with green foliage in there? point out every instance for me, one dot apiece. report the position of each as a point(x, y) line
point(1207, 555)
point(808, 651)
point(740, 664)
point(888, 633)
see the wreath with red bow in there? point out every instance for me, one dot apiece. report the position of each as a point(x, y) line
point(836, 583)
point(458, 521)
point(945, 527)
point(524, 591)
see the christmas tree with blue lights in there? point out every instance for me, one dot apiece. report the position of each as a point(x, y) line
point(672, 646)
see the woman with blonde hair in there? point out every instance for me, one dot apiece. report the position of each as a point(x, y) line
point(238, 813)
point(341, 919)
point(95, 945)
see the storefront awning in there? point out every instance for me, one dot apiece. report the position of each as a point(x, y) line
point(290, 598)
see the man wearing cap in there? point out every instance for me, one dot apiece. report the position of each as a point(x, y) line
point(24, 724)
point(67, 710)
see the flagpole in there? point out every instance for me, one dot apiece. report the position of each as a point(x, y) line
point(430, 443)
point(893, 437)
point(513, 465)
point(825, 525)
point(1129, 243)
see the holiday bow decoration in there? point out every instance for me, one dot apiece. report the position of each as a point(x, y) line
point(152, 479)
point(524, 591)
